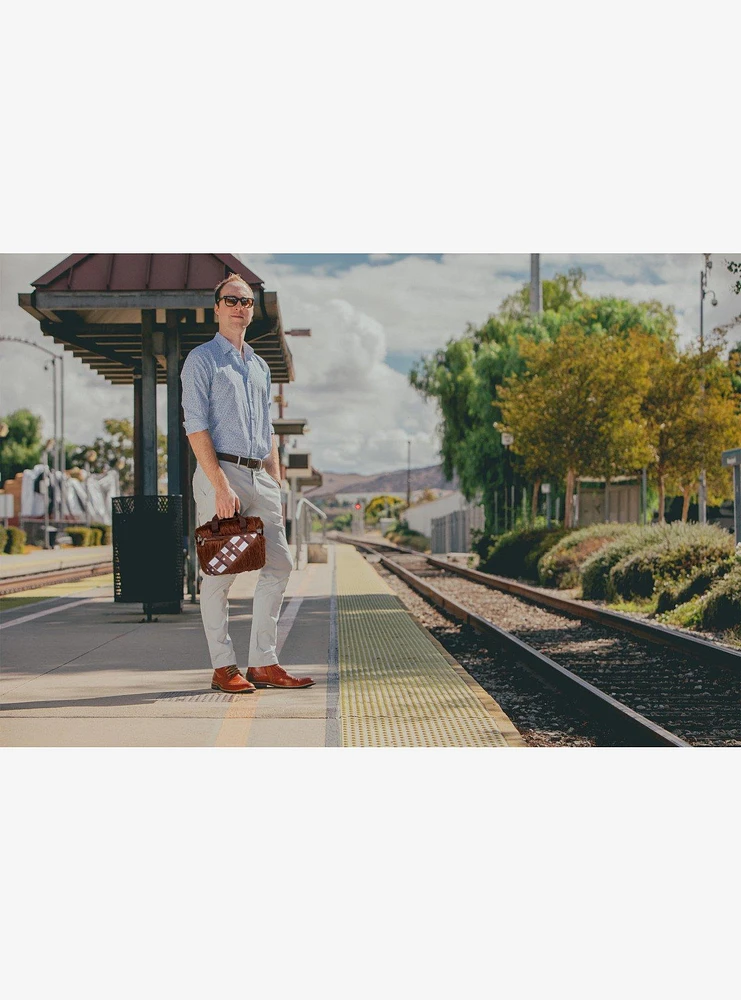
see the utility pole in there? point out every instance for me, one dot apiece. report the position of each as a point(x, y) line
point(409, 473)
point(536, 286)
point(702, 493)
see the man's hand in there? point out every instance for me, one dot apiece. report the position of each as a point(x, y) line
point(227, 502)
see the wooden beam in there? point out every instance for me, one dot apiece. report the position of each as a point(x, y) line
point(62, 335)
point(122, 300)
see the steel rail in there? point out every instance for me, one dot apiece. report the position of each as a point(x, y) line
point(47, 578)
point(701, 649)
point(609, 711)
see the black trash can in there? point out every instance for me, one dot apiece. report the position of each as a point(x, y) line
point(148, 552)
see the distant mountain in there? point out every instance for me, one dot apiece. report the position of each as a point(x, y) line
point(431, 477)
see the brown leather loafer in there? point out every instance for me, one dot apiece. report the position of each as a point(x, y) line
point(275, 676)
point(230, 680)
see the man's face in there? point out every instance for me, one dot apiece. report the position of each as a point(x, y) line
point(234, 318)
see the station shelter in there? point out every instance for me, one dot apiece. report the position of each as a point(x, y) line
point(133, 318)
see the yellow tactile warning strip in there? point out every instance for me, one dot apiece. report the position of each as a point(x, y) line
point(397, 687)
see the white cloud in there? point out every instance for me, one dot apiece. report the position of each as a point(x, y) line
point(360, 410)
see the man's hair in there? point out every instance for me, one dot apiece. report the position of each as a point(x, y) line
point(226, 280)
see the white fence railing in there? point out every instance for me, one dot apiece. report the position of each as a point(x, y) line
point(452, 532)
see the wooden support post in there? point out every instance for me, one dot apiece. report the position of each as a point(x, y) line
point(149, 406)
point(173, 403)
point(137, 435)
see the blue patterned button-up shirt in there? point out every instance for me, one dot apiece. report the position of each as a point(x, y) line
point(229, 397)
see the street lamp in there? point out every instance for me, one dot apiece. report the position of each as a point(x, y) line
point(90, 456)
point(61, 458)
point(409, 473)
point(702, 493)
point(508, 440)
point(546, 488)
point(49, 446)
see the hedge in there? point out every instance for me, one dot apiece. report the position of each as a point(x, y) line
point(676, 558)
point(676, 548)
point(676, 592)
point(516, 553)
point(79, 535)
point(15, 542)
point(3, 538)
point(561, 565)
point(105, 532)
point(96, 536)
point(403, 535)
point(721, 606)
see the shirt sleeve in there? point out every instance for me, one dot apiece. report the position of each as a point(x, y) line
point(196, 391)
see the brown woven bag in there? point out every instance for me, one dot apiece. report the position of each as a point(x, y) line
point(230, 545)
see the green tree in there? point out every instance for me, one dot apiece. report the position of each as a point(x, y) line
point(22, 447)
point(115, 449)
point(559, 293)
point(691, 412)
point(734, 366)
point(463, 378)
point(734, 266)
point(379, 505)
point(575, 410)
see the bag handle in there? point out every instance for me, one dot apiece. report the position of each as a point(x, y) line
point(215, 523)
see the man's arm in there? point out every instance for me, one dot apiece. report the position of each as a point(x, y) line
point(227, 501)
point(272, 464)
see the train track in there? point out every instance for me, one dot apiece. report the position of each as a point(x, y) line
point(32, 581)
point(650, 685)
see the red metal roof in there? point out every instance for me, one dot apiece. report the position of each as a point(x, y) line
point(125, 272)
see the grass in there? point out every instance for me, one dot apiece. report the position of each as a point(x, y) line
point(10, 603)
point(646, 606)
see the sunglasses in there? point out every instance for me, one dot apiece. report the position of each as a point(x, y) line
point(231, 300)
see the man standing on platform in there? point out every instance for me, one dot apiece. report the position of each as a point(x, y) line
point(226, 402)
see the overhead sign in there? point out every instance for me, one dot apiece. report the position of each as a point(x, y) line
point(732, 457)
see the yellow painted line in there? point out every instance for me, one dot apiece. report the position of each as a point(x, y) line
point(60, 589)
point(398, 688)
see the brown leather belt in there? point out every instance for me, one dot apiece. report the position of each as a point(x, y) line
point(248, 463)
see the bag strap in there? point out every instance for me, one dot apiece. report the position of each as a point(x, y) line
point(215, 523)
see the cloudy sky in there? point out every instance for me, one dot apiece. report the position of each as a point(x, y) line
point(371, 317)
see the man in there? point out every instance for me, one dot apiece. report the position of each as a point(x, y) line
point(226, 402)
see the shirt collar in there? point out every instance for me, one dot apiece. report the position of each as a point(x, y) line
point(226, 346)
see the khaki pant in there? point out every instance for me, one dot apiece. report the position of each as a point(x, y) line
point(259, 496)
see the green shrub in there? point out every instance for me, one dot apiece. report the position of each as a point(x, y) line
point(15, 542)
point(3, 538)
point(105, 532)
point(96, 536)
point(517, 553)
point(677, 545)
point(561, 565)
point(402, 534)
point(79, 535)
point(720, 608)
point(676, 557)
point(414, 540)
point(672, 593)
point(685, 615)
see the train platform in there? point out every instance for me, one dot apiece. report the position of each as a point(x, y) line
point(49, 560)
point(81, 670)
